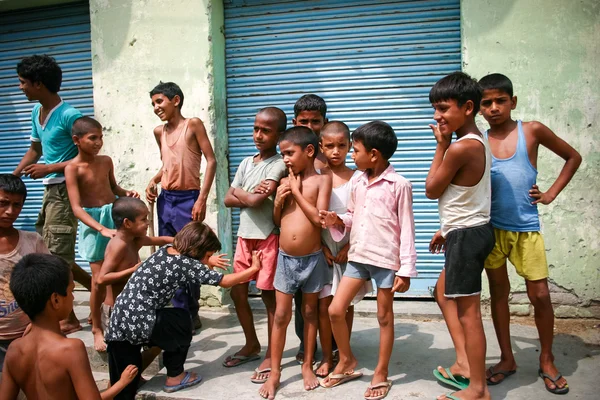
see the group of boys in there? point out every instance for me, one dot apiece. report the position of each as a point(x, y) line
point(286, 205)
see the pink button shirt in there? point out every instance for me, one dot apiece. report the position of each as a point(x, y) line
point(382, 223)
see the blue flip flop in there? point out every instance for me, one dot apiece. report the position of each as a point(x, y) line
point(185, 383)
point(459, 382)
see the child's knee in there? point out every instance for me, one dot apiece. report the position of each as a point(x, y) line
point(324, 306)
point(310, 312)
point(336, 313)
point(539, 297)
point(238, 293)
point(282, 317)
point(385, 318)
point(268, 298)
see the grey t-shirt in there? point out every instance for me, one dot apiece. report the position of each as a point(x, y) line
point(257, 222)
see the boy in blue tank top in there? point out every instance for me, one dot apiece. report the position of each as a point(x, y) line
point(514, 215)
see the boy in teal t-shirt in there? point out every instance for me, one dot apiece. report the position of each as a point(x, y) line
point(40, 78)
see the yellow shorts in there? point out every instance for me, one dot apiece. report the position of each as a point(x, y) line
point(525, 250)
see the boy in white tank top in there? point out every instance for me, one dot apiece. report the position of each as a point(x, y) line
point(459, 177)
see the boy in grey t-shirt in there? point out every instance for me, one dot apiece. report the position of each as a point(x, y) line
point(252, 190)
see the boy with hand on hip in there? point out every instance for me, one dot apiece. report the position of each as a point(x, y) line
point(515, 196)
point(257, 232)
point(182, 142)
point(382, 248)
point(459, 177)
point(301, 265)
point(92, 191)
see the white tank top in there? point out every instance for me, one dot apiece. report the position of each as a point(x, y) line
point(467, 206)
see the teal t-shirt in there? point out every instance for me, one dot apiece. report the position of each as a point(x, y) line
point(55, 136)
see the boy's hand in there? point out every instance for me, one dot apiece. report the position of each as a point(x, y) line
point(543, 198)
point(437, 244)
point(217, 261)
point(36, 171)
point(256, 259)
point(132, 193)
point(442, 139)
point(342, 255)
point(130, 372)
point(109, 233)
point(328, 218)
point(199, 210)
point(295, 182)
point(328, 256)
point(262, 188)
point(401, 284)
point(283, 191)
point(151, 192)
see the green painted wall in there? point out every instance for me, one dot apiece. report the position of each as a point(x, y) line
point(550, 50)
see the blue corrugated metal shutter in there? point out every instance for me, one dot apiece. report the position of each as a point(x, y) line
point(368, 60)
point(64, 33)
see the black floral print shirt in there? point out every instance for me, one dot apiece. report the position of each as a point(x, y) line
point(151, 288)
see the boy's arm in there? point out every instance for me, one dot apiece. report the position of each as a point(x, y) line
point(254, 199)
point(75, 200)
point(155, 241)
point(78, 367)
point(199, 209)
point(233, 279)
point(283, 191)
point(9, 390)
point(447, 160)
point(311, 211)
point(151, 190)
point(116, 189)
point(406, 221)
point(558, 146)
point(112, 259)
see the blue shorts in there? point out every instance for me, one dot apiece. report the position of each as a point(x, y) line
point(307, 273)
point(383, 277)
point(91, 242)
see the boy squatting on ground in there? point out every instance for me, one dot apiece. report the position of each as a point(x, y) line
point(382, 248)
point(515, 196)
point(40, 78)
point(142, 316)
point(459, 177)
point(92, 191)
point(310, 110)
point(300, 264)
point(257, 232)
point(334, 144)
point(44, 363)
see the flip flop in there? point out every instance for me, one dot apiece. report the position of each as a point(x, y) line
point(185, 383)
point(258, 372)
point(493, 373)
point(241, 359)
point(387, 385)
point(343, 378)
point(556, 390)
point(456, 381)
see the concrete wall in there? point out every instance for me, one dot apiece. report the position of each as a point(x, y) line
point(136, 44)
point(550, 50)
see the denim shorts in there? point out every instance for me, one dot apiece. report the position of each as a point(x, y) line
point(307, 273)
point(383, 277)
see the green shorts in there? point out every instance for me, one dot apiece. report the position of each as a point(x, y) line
point(92, 244)
point(56, 222)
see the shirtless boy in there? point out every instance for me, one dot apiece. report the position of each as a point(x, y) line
point(44, 363)
point(301, 264)
point(92, 190)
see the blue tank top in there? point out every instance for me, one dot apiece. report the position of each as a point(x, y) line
point(512, 179)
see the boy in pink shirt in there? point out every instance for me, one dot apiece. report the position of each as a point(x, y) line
point(382, 248)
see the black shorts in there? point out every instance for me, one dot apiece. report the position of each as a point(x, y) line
point(466, 251)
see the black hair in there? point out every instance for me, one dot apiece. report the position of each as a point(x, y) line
point(12, 184)
point(43, 69)
point(336, 127)
point(84, 125)
point(35, 278)
point(170, 90)
point(301, 136)
point(195, 240)
point(497, 81)
point(127, 208)
point(377, 135)
point(277, 114)
point(457, 86)
point(310, 102)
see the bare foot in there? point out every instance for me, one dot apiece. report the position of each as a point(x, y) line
point(506, 366)
point(99, 343)
point(342, 368)
point(310, 379)
point(468, 394)
point(324, 366)
point(67, 327)
point(263, 372)
point(550, 369)
point(456, 370)
point(269, 388)
point(380, 390)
